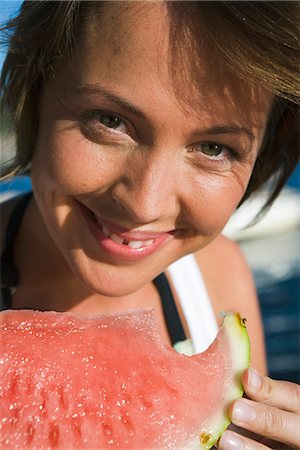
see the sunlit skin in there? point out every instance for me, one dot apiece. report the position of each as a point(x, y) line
point(114, 137)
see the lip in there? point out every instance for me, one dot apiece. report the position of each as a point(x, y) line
point(133, 235)
point(121, 252)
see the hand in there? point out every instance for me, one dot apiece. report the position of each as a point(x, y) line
point(272, 412)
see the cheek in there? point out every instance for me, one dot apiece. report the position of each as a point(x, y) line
point(214, 201)
point(66, 162)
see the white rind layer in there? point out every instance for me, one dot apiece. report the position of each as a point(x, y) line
point(234, 329)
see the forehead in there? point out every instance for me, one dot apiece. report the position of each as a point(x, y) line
point(135, 44)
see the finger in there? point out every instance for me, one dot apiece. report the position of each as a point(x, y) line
point(267, 421)
point(234, 441)
point(281, 394)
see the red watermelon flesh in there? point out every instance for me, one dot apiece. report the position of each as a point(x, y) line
point(111, 382)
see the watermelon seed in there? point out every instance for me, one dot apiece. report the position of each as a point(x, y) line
point(53, 434)
point(14, 383)
point(61, 397)
point(106, 428)
point(76, 425)
point(30, 432)
point(146, 403)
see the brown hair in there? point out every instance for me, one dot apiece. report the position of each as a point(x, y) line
point(258, 40)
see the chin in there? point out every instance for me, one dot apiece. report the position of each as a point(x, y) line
point(107, 283)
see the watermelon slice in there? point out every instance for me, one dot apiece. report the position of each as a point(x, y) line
point(110, 382)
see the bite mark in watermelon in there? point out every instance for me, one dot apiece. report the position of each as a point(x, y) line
point(110, 382)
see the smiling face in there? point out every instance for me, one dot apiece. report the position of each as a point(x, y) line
point(127, 177)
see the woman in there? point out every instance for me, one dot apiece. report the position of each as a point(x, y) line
point(145, 125)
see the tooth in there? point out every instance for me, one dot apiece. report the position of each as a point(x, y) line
point(119, 240)
point(135, 244)
point(105, 231)
point(148, 242)
point(116, 238)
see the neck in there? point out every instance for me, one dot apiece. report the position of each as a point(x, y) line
point(44, 274)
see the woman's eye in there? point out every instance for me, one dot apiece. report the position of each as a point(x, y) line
point(212, 149)
point(114, 122)
point(98, 125)
point(214, 155)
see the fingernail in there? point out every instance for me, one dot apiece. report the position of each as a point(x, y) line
point(230, 441)
point(243, 411)
point(254, 379)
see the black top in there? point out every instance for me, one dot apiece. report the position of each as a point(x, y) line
point(9, 276)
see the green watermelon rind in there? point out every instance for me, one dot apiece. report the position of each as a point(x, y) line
point(235, 329)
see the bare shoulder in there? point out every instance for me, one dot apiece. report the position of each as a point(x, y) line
point(225, 272)
point(231, 287)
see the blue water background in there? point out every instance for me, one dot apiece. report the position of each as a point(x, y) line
point(281, 311)
point(280, 305)
point(279, 296)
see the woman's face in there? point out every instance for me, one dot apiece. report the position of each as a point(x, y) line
point(127, 178)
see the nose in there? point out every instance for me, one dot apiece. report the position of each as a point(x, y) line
point(147, 189)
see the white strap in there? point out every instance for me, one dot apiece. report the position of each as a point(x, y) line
point(194, 300)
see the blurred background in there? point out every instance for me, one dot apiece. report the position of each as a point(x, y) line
point(272, 248)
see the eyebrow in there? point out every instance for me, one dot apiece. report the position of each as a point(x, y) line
point(95, 89)
point(230, 130)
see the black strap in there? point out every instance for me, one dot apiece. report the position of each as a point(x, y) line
point(12, 228)
point(173, 322)
point(9, 274)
